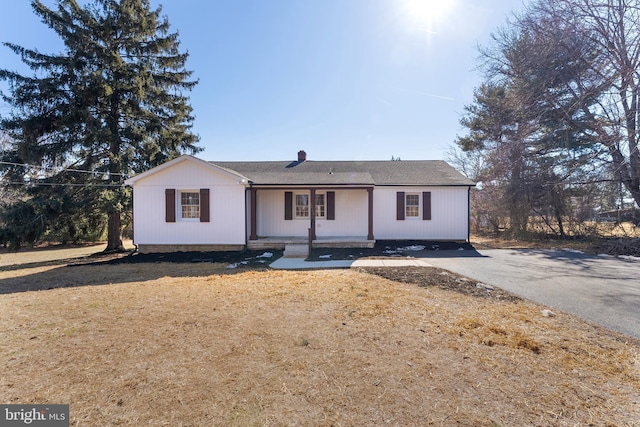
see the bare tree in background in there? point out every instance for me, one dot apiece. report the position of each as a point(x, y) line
point(610, 76)
point(558, 112)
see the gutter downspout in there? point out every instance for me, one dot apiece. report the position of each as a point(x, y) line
point(469, 214)
point(247, 191)
point(253, 212)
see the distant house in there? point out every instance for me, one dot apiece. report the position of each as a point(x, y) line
point(190, 204)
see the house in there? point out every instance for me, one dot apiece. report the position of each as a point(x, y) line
point(190, 204)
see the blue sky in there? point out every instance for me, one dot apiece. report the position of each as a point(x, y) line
point(341, 79)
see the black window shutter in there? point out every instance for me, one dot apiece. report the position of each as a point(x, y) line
point(331, 205)
point(288, 205)
point(170, 205)
point(400, 205)
point(426, 205)
point(204, 205)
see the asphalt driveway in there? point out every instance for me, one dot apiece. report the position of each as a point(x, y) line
point(602, 290)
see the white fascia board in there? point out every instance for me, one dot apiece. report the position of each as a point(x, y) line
point(186, 157)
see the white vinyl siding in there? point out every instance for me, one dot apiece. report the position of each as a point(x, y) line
point(350, 209)
point(188, 176)
point(449, 213)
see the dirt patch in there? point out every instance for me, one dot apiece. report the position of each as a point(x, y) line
point(187, 344)
point(443, 279)
point(626, 245)
point(232, 259)
point(389, 249)
point(100, 269)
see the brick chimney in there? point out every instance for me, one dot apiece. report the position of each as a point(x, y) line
point(302, 156)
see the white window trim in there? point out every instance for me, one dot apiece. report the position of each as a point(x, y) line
point(179, 205)
point(318, 193)
point(406, 205)
point(308, 194)
point(295, 206)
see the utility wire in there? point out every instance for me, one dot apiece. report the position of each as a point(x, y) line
point(62, 169)
point(61, 184)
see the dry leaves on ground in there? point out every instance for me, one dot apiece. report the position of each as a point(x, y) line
point(187, 344)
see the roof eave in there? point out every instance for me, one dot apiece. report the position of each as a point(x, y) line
point(185, 157)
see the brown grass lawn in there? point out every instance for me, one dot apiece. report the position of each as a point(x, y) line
point(192, 345)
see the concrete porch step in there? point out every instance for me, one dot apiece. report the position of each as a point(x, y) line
point(294, 250)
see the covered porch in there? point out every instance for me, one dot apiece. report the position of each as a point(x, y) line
point(343, 219)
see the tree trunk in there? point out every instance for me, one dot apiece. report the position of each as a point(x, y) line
point(560, 222)
point(635, 193)
point(114, 233)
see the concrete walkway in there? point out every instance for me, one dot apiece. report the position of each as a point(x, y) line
point(301, 264)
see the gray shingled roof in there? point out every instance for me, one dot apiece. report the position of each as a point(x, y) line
point(309, 172)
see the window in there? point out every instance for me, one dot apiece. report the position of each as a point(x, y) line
point(320, 206)
point(190, 204)
point(299, 206)
point(187, 205)
point(412, 205)
point(302, 206)
point(409, 205)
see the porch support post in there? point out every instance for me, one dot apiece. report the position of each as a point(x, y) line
point(253, 213)
point(370, 194)
point(312, 214)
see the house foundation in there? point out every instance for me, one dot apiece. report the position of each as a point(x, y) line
point(150, 248)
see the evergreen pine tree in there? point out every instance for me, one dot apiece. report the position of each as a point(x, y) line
point(114, 102)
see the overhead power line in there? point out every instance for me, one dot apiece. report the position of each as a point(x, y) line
point(61, 169)
point(61, 184)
